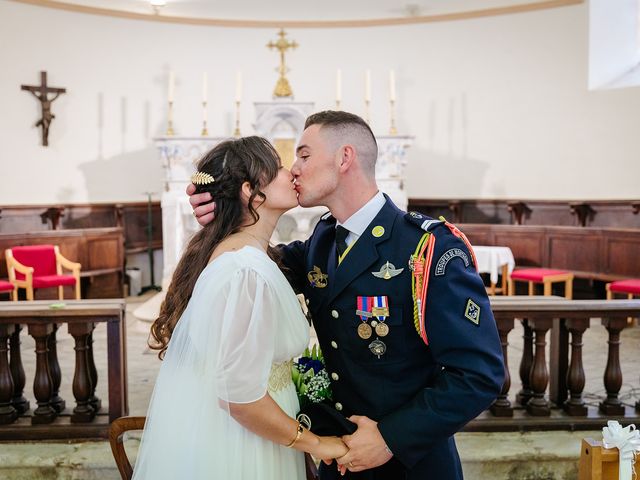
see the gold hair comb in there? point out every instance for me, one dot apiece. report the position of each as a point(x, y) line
point(201, 178)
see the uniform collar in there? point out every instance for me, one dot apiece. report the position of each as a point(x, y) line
point(359, 221)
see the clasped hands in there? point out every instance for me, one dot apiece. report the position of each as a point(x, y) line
point(367, 448)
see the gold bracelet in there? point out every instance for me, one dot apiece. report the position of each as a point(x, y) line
point(299, 431)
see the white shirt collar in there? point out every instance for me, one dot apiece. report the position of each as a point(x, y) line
point(359, 221)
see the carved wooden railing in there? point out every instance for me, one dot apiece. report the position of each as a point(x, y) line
point(550, 396)
point(53, 417)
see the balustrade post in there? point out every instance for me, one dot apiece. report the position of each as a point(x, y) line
point(538, 405)
point(96, 403)
point(8, 413)
point(526, 363)
point(574, 405)
point(54, 367)
point(613, 374)
point(501, 407)
point(83, 412)
point(42, 384)
point(19, 402)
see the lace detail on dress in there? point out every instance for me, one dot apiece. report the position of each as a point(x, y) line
point(280, 376)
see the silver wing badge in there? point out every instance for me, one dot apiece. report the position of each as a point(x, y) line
point(387, 271)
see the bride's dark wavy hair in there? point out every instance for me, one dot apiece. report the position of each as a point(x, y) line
point(230, 163)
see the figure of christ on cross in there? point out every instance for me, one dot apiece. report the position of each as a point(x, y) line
point(41, 92)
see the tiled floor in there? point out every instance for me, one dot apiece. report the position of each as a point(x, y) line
point(143, 364)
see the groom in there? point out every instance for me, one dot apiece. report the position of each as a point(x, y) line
point(409, 379)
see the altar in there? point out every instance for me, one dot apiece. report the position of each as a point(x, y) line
point(281, 122)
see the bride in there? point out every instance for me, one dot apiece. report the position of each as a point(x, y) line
point(224, 404)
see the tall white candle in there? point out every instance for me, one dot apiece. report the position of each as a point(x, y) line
point(367, 86)
point(392, 85)
point(171, 85)
point(338, 85)
point(204, 86)
point(239, 86)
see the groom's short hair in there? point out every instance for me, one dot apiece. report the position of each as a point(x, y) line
point(344, 127)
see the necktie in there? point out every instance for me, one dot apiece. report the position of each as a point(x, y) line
point(341, 240)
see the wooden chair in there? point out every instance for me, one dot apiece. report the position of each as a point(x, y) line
point(124, 424)
point(546, 276)
point(8, 287)
point(116, 433)
point(597, 462)
point(40, 266)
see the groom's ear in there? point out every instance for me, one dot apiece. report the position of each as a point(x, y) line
point(347, 157)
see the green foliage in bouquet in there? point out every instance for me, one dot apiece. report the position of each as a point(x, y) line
point(311, 378)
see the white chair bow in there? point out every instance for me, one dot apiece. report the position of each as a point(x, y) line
point(627, 441)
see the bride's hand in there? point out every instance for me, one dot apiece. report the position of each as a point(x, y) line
point(330, 448)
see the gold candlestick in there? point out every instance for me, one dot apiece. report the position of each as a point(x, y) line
point(205, 132)
point(367, 118)
point(392, 129)
point(170, 119)
point(236, 132)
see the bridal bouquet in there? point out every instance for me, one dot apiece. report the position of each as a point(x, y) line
point(311, 378)
point(312, 383)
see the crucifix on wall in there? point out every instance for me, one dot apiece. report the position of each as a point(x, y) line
point(41, 92)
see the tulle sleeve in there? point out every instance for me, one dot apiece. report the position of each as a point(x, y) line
point(247, 337)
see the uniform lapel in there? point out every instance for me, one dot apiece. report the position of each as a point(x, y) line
point(364, 252)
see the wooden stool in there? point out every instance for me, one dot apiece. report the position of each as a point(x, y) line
point(630, 287)
point(7, 287)
point(597, 462)
point(546, 276)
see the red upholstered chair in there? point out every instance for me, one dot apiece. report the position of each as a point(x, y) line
point(7, 287)
point(546, 276)
point(631, 287)
point(40, 266)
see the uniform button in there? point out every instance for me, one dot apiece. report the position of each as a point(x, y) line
point(334, 344)
point(307, 301)
point(335, 376)
point(335, 314)
point(338, 406)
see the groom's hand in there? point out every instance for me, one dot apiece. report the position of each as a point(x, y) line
point(367, 448)
point(204, 213)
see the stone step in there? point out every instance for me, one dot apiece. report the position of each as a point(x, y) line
point(485, 456)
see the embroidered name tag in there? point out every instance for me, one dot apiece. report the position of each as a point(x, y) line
point(447, 256)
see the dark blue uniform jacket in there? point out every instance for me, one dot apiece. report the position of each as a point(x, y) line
point(420, 394)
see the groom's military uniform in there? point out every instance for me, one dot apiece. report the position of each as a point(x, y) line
point(420, 390)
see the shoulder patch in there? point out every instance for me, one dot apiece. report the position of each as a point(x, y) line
point(422, 221)
point(441, 265)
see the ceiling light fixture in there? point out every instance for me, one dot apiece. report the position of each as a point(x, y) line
point(157, 5)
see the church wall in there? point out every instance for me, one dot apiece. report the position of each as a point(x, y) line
point(499, 106)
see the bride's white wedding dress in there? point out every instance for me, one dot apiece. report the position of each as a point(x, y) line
point(234, 343)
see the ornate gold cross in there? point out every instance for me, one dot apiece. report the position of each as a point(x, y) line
point(283, 89)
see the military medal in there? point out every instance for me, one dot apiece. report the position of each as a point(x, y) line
point(382, 329)
point(364, 331)
point(377, 347)
point(365, 305)
point(380, 307)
